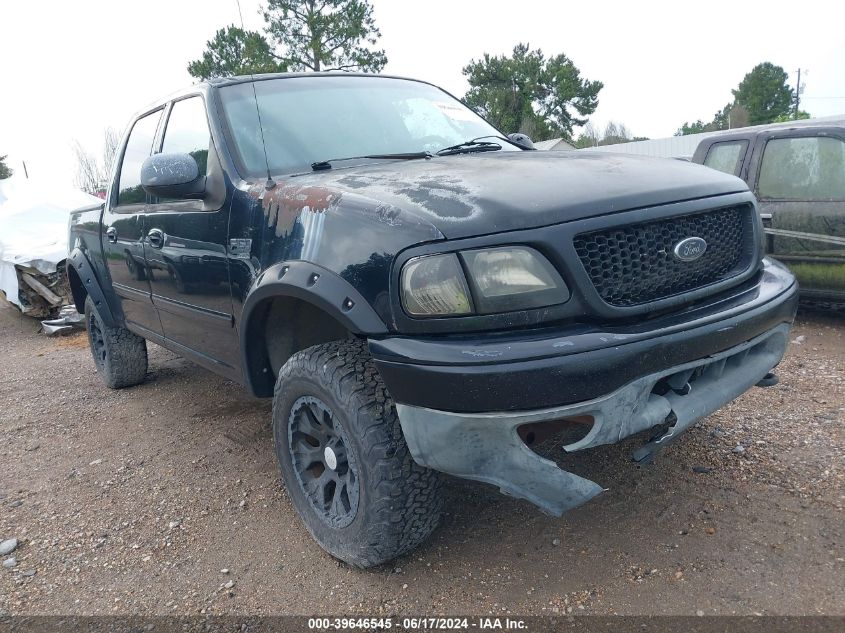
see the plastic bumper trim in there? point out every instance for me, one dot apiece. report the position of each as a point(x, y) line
point(486, 446)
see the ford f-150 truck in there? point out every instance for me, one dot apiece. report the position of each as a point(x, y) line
point(419, 293)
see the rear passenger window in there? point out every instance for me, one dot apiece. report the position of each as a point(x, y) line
point(187, 132)
point(803, 168)
point(727, 156)
point(138, 149)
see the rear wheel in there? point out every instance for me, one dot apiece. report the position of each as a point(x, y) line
point(344, 459)
point(120, 355)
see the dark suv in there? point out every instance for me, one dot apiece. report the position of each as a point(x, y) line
point(419, 293)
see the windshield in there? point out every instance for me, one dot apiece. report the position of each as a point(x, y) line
point(311, 119)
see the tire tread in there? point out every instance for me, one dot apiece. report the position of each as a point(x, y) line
point(405, 500)
point(126, 363)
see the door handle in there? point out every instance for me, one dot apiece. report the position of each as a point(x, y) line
point(766, 218)
point(156, 238)
point(111, 234)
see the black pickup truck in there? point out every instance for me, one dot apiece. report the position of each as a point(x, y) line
point(419, 293)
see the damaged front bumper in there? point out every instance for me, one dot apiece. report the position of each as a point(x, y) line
point(486, 445)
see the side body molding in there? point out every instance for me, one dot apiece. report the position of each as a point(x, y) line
point(83, 269)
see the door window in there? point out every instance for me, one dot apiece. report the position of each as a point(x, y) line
point(138, 149)
point(727, 156)
point(803, 168)
point(187, 132)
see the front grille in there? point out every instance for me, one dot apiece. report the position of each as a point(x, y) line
point(634, 264)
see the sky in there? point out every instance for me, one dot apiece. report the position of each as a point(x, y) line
point(71, 69)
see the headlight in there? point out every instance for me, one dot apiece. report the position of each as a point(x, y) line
point(513, 278)
point(435, 286)
point(502, 279)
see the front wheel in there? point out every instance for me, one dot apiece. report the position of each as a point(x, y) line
point(344, 459)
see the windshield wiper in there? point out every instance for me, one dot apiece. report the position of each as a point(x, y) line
point(327, 164)
point(473, 145)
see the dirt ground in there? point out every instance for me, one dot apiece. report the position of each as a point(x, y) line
point(150, 500)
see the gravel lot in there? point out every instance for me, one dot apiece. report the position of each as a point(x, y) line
point(166, 499)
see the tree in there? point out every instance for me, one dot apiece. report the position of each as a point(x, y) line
point(88, 176)
point(5, 170)
point(589, 137)
point(696, 127)
point(325, 34)
point(733, 115)
point(761, 97)
point(614, 133)
point(111, 143)
point(300, 35)
point(92, 175)
point(764, 93)
point(233, 51)
point(784, 118)
point(528, 93)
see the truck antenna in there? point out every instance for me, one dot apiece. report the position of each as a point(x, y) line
point(270, 184)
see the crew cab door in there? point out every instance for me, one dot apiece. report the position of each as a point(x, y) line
point(123, 230)
point(187, 248)
point(798, 176)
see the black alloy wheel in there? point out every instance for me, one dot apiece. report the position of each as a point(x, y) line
point(324, 467)
point(98, 341)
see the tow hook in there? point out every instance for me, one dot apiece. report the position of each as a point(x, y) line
point(645, 454)
point(769, 380)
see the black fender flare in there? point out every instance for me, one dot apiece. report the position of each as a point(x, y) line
point(319, 286)
point(83, 269)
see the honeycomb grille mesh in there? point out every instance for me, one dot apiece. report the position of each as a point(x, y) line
point(634, 264)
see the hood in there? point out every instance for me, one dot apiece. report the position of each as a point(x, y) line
point(478, 194)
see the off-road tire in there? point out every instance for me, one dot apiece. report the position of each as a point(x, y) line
point(399, 502)
point(119, 355)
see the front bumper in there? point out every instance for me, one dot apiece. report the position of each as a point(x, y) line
point(713, 355)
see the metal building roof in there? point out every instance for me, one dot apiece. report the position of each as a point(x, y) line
point(684, 146)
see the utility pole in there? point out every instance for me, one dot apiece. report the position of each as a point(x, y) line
point(798, 91)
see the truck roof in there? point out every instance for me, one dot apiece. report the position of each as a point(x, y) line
point(239, 79)
point(207, 85)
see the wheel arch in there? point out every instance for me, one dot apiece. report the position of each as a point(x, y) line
point(84, 283)
point(292, 306)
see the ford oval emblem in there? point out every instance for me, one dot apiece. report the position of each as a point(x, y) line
point(689, 249)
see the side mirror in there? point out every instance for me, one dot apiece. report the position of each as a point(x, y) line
point(172, 176)
point(523, 140)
